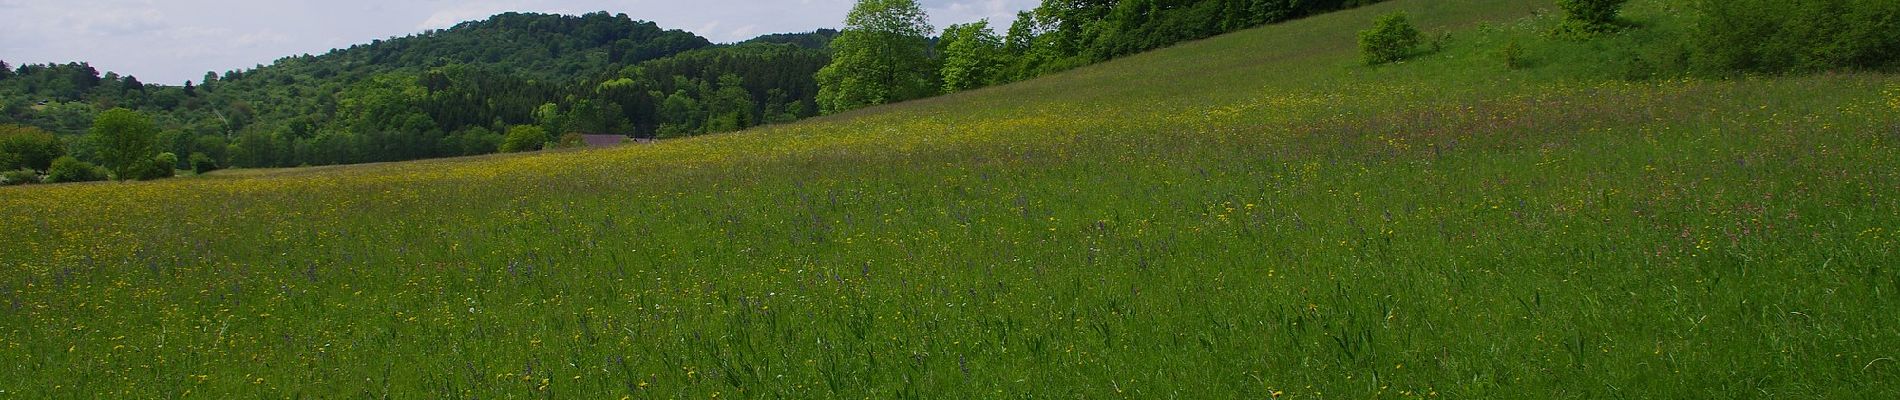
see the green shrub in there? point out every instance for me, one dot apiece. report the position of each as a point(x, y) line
point(69, 169)
point(1391, 39)
point(669, 131)
point(1590, 16)
point(201, 163)
point(28, 147)
point(1795, 36)
point(165, 165)
point(19, 177)
point(524, 138)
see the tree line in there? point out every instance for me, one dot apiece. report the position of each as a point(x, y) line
point(523, 81)
point(464, 90)
point(886, 52)
point(451, 92)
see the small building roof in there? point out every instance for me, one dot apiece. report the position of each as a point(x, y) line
point(604, 140)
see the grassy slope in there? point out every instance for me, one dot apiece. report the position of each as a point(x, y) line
point(1244, 216)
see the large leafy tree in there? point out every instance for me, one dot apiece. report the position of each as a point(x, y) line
point(882, 56)
point(127, 142)
point(972, 56)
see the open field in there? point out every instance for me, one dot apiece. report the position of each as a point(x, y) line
point(1250, 216)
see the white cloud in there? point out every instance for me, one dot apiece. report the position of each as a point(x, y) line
point(463, 12)
point(748, 31)
point(116, 22)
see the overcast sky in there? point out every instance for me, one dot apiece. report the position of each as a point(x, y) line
point(171, 41)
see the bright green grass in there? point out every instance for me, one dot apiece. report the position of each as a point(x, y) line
point(1243, 217)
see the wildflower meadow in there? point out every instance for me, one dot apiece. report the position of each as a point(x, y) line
point(1256, 215)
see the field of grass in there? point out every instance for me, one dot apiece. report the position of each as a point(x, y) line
point(1250, 216)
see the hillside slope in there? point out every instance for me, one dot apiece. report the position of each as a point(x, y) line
point(1254, 215)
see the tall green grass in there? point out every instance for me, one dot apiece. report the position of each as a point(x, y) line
point(1249, 216)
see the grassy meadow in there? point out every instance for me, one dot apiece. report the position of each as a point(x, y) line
point(1255, 215)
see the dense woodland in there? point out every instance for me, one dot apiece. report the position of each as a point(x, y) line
point(463, 90)
point(441, 93)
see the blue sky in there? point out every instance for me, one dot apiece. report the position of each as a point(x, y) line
point(171, 41)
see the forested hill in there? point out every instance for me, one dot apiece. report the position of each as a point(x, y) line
point(516, 82)
point(537, 45)
point(447, 92)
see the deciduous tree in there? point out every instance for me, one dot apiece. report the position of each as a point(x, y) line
point(972, 56)
point(882, 56)
point(127, 142)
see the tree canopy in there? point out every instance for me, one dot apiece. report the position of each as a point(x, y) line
point(972, 56)
point(127, 142)
point(882, 56)
point(26, 147)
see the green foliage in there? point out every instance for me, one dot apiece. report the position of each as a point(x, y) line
point(260, 148)
point(202, 163)
point(28, 147)
point(1513, 56)
point(1391, 39)
point(473, 141)
point(1798, 36)
point(972, 55)
point(57, 117)
point(882, 56)
point(1133, 26)
point(730, 107)
point(396, 99)
point(213, 146)
point(68, 82)
point(387, 113)
point(165, 165)
point(679, 110)
point(779, 79)
point(68, 169)
point(1020, 42)
point(815, 40)
point(524, 138)
point(1589, 17)
point(550, 118)
point(19, 177)
point(1063, 34)
point(841, 91)
point(594, 116)
point(127, 142)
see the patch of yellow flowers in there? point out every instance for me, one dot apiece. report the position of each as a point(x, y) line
point(1893, 97)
